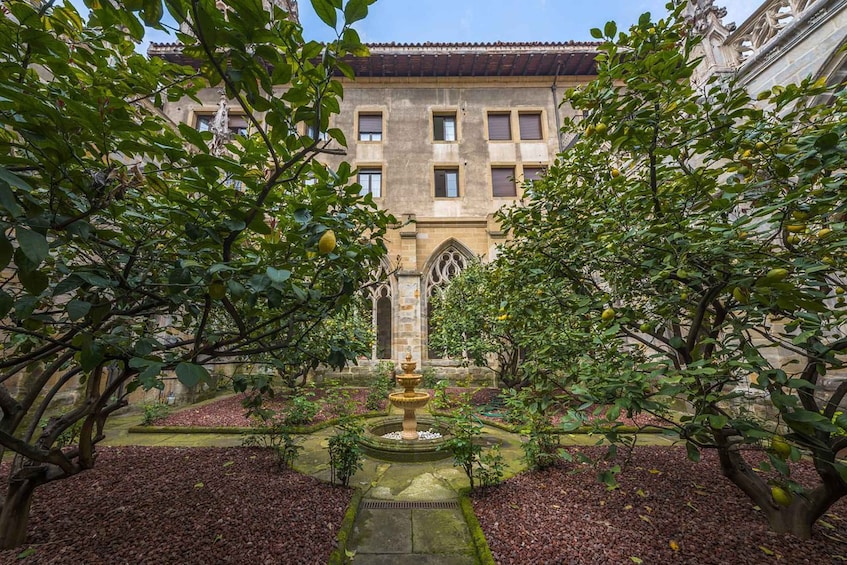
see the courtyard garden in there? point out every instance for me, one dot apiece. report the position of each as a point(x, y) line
point(662, 328)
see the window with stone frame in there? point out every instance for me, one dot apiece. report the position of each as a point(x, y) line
point(503, 182)
point(447, 182)
point(444, 126)
point(371, 180)
point(370, 127)
point(530, 125)
point(236, 123)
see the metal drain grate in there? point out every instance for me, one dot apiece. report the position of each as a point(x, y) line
point(407, 504)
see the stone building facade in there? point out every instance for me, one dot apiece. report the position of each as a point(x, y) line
point(443, 135)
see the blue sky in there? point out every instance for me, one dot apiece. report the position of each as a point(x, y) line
point(414, 21)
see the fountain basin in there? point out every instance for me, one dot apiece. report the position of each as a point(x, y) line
point(408, 381)
point(403, 450)
point(408, 400)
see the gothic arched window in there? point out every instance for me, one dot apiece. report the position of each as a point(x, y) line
point(447, 264)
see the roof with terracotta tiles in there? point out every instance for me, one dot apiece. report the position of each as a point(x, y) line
point(496, 59)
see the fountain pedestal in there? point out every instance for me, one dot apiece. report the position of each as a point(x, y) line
point(409, 400)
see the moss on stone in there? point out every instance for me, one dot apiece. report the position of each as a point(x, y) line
point(339, 554)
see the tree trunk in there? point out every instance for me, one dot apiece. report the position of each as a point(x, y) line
point(14, 516)
point(794, 520)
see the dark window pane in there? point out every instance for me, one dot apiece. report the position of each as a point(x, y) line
point(446, 183)
point(533, 173)
point(383, 328)
point(503, 181)
point(498, 127)
point(444, 127)
point(370, 127)
point(371, 181)
point(530, 126)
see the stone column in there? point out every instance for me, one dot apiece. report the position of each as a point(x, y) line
point(408, 336)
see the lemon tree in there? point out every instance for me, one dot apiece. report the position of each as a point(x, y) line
point(127, 247)
point(704, 234)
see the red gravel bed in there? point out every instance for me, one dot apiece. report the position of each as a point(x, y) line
point(557, 516)
point(183, 505)
point(485, 396)
point(229, 412)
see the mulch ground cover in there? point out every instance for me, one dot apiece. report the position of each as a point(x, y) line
point(229, 411)
point(667, 509)
point(160, 505)
point(336, 402)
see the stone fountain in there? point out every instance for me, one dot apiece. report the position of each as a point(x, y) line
point(409, 400)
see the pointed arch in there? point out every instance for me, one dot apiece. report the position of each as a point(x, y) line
point(446, 262)
point(381, 293)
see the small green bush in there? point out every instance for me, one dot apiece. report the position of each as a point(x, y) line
point(301, 410)
point(345, 455)
point(382, 384)
point(491, 467)
point(440, 400)
point(271, 434)
point(429, 377)
point(338, 403)
point(154, 411)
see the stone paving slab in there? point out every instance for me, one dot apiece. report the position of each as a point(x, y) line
point(440, 531)
point(411, 535)
point(382, 531)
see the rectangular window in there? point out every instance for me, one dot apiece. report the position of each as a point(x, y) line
point(237, 124)
point(371, 181)
point(370, 127)
point(499, 128)
point(313, 133)
point(444, 127)
point(533, 173)
point(530, 124)
point(503, 182)
point(446, 183)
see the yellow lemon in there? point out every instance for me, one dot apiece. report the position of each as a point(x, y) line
point(780, 447)
point(781, 496)
point(327, 242)
point(607, 314)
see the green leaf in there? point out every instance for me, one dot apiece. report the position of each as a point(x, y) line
point(90, 356)
point(827, 141)
point(326, 12)
point(6, 303)
point(355, 10)
point(610, 29)
point(33, 244)
point(28, 552)
point(596, 33)
point(278, 275)
point(7, 199)
point(191, 374)
point(77, 309)
point(692, 452)
point(6, 251)
point(193, 136)
point(34, 282)
point(151, 13)
point(14, 180)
